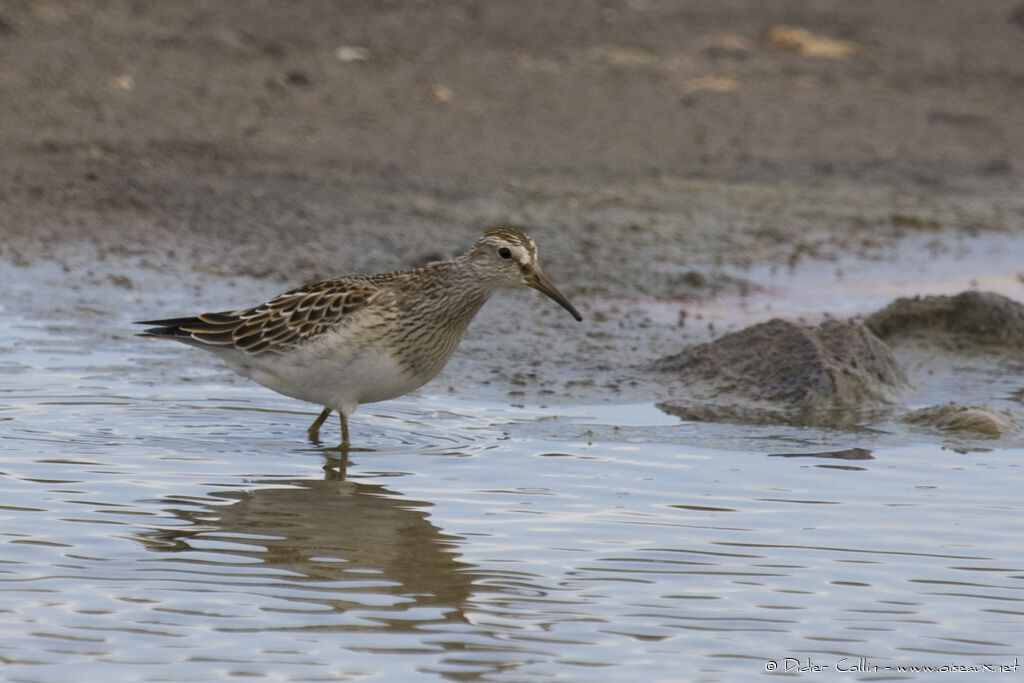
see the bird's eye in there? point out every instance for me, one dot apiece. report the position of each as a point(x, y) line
point(505, 253)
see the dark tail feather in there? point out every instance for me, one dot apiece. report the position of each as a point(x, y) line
point(208, 328)
point(169, 327)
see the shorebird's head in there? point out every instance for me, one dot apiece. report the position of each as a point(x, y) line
point(508, 257)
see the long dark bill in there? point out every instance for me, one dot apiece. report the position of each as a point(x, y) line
point(541, 283)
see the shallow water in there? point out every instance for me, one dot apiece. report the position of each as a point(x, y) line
point(165, 521)
point(857, 284)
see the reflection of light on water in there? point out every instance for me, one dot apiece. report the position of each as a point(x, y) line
point(851, 285)
point(495, 414)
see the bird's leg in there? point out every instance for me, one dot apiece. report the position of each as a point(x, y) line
point(314, 429)
point(345, 446)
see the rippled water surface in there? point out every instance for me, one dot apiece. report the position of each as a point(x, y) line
point(163, 521)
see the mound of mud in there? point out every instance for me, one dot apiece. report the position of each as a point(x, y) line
point(967, 318)
point(781, 372)
point(977, 420)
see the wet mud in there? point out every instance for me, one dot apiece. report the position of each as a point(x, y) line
point(839, 374)
point(964, 321)
point(824, 375)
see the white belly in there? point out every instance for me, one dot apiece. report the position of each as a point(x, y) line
point(328, 375)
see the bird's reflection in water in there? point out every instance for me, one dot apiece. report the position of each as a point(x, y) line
point(353, 538)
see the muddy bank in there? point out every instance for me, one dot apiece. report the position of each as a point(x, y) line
point(645, 144)
point(295, 142)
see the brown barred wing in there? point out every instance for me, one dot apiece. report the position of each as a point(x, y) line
point(295, 316)
point(278, 324)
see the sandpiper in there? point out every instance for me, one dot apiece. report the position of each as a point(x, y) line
point(364, 338)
